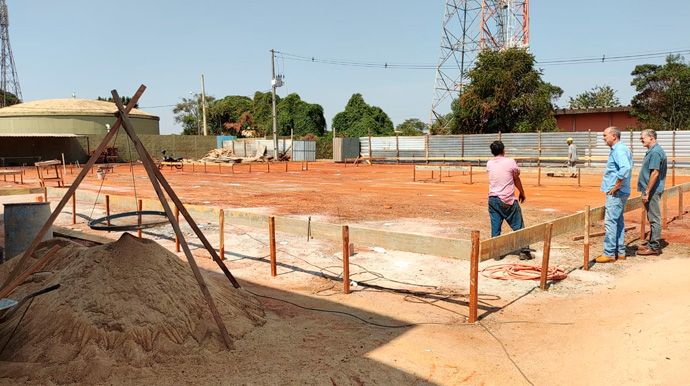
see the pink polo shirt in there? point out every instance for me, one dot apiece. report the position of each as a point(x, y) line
point(501, 183)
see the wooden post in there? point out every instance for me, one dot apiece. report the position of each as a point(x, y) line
point(470, 173)
point(204, 167)
point(643, 222)
point(588, 226)
point(680, 203)
point(232, 167)
point(268, 167)
point(74, 207)
point(462, 146)
point(545, 256)
point(272, 243)
point(193, 163)
point(474, 276)
point(426, 147)
point(397, 150)
point(107, 209)
point(221, 234)
point(346, 259)
point(139, 206)
point(414, 173)
point(664, 210)
point(673, 172)
point(589, 147)
point(219, 169)
point(539, 176)
point(286, 166)
point(539, 150)
point(440, 174)
point(250, 168)
point(45, 193)
point(177, 218)
point(578, 177)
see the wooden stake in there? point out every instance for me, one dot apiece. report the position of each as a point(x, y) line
point(664, 210)
point(545, 256)
point(250, 168)
point(588, 225)
point(470, 173)
point(474, 277)
point(414, 173)
point(204, 167)
point(107, 209)
point(680, 203)
point(177, 218)
point(346, 259)
point(643, 222)
point(578, 177)
point(139, 206)
point(74, 208)
point(45, 193)
point(539, 176)
point(221, 235)
point(286, 166)
point(268, 167)
point(220, 171)
point(272, 244)
point(232, 167)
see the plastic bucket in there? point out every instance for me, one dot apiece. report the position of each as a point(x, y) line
point(23, 221)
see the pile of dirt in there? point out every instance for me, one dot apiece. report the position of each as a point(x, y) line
point(130, 301)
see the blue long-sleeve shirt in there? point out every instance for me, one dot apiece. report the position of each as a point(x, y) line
point(618, 167)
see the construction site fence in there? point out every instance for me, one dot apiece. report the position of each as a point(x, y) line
point(438, 148)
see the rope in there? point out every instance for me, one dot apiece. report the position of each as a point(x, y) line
point(521, 272)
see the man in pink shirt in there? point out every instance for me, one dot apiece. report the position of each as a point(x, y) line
point(504, 177)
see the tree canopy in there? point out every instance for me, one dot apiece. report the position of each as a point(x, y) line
point(359, 120)
point(8, 99)
point(188, 113)
point(412, 126)
point(299, 117)
point(599, 96)
point(231, 115)
point(663, 94)
point(507, 94)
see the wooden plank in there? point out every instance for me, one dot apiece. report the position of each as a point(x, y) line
point(157, 180)
point(49, 223)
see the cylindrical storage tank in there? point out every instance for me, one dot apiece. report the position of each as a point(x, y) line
point(23, 221)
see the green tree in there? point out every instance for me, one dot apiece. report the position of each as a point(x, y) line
point(507, 94)
point(231, 115)
point(411, 127)
point(8, 99)
point(263, 113)
point(663, 94)
point(599, 96)
point(125, 100)
point(300, 117)
point(188, 113)
point(359, 119)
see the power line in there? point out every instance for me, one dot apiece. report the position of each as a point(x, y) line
point(553, 62)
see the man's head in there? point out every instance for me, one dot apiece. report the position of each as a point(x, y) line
point(497, 148)
point(612, 135)
point(648, 138)
point(570, 140)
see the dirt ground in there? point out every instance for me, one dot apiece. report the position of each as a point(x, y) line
point(405, 321)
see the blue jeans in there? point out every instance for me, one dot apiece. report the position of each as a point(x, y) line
point(614, 240)
point(499, 211)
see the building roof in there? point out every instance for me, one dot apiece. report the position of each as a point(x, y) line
point(41, 135)
point(70, 107)
point(591, 110)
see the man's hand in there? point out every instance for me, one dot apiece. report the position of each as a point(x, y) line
point(645, 199)
point(521, 197)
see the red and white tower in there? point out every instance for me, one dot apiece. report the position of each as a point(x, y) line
point(470, 26)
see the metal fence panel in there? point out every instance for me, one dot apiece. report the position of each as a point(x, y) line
point(304, 150)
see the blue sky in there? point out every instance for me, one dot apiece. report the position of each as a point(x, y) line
point(91, 47)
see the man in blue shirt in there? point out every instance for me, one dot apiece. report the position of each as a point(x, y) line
point(616, 185)
point(651, 183)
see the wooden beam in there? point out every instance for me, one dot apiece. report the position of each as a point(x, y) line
point(156, 181)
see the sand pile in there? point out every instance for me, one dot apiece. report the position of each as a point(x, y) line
point(130, 301)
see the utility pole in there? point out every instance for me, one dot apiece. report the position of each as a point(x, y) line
point(203, 102)
point(275, 113)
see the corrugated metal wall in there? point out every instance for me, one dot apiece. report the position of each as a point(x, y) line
point(520, 145)
point(344, 148)
point(303, 150)
point(246, 147)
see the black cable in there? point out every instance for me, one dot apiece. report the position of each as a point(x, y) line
point(506, 352)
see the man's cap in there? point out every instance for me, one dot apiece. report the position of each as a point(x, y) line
point(570, 140)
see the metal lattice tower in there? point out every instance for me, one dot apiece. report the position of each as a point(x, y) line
point(9, 81)
point(470, 26)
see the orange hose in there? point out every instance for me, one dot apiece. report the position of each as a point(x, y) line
point(521, 272)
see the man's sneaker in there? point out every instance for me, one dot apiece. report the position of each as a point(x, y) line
point(526, 255)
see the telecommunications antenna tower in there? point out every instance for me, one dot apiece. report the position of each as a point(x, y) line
point(470, 26)
point(9, 81)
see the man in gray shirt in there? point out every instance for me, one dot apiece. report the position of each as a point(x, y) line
point(651, 183)
point(572, 157)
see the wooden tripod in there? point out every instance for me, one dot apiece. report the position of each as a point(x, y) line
point(157, 180)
